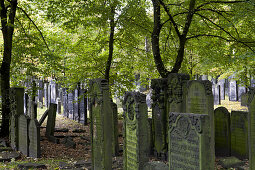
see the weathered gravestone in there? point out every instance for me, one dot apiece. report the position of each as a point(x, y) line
point(136, 139)
point(101, 125)
point(251, 130)
point(51, 120)
point(222, 131)
point(34, 139)
point(233, 92)
point(115, 141)
point(199, 100)
point(53, 92)
point(16, 106)
point(239, 134)
point(83, 107)
point(76, 114)
point(190, 146)
point(46, 95)
point(26, 103)
point(65, 102)
point(216, 94)
point(49, 94)
point(58, 105)
point(222, 83)
point(159, 112)
point(241, 90)
point(23, 143)
point(70, 102)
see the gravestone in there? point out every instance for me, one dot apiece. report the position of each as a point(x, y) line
point(46, 95)
point(34, 139)
point(216, 94)
point(251, 130)
point(101, 125)
point(214, 81)
point(51, 120)
point(159, 121)
point(23, 143)
point(199, 100)
point(222, 88)
point(148, 98)
point(241, 90)
point(16, 107)
point(136, 139)
point(233, 91)
point(239, 134)
point(190, 145)
point(70, 102)
point(83, 107)
point(76, 109)
point(252, 82)
point(49, 94)
point(65, 102)
point(26, 98)
point(58, 106)
point(40, 93)
point(204, 77)
point(53, 92)
point(222, 131)
point(115, 140)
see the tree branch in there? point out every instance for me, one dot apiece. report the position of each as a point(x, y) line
point(3, 16)
point(220, 2)
point(171, 18)
point(36, 28)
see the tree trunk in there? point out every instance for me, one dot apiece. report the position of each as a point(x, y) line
point(180, 55)
point(7, 30)
point(155, 40)
point(111, 41)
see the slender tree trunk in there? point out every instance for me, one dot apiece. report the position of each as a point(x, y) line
point(7, 30)
point(180, 56)
point(155, 40)
point(111, 41)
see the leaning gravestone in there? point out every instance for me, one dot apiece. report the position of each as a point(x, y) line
point(16, 104)
point(23, 143)
point(159, 121)
point(34, 139)
point(190, 145)
point(239, 134)
point(251, 130)
point(51, 120)
point(199, 100)
point(222, 131)
point(233, 92)
point(136, 139)
point(101, 125)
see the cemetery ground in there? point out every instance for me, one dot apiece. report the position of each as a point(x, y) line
point(64, 156)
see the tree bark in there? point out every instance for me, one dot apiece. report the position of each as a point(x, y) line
point(155, 40)
point(7, 30)
point(111, 41)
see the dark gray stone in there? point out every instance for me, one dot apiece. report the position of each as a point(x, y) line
point(51, 120)
point(115, 140)
point(23, 139)
point(233, 91)
point(76, 109)
point(241, 90)
point(45, 114)
point(34, 139)
point(251, 129)
point(83, 106)
point(65, 102)
point(8, 156)
point(216, 94)
point(61, 130)
point(222, 83)
point(58, 105)
point(32, 166)
point(68, 141)
point(79, 131)
point(70, 98)
point(46, 95)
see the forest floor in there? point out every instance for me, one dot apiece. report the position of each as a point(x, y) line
point(59, 156)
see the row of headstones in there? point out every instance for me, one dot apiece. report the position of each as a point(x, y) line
point(189, 135)
point(25, 129)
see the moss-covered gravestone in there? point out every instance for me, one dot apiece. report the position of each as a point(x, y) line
point(222, 131)
point(251, 130)
point(83, 107)
point(101, 125)
point(17, 108)
point(159, 120)
point(239, 134)
point(51, 120)
point(136, 139)
point(189, 142)
point(34, 139)
point(199, 100)
point(23, 143)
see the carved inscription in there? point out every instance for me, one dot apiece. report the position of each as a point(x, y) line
point(131, 149)
point(23, 134)
point(184, 146)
